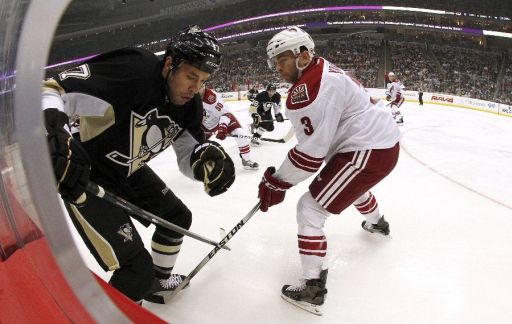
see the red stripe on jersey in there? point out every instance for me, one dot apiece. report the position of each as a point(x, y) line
point(303, 161)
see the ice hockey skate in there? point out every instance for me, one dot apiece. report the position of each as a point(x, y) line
point(250, 165)
point(399, 120)
point(255, 141)
point(308, 295)
point(164, 287)
point(382, 227)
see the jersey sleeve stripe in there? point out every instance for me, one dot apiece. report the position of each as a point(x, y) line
point(303, 161)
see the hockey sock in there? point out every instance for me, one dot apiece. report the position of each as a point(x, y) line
point(164, 252)
point(312, 250)
point(367, 205)
point(260, 131)
point(245, 152)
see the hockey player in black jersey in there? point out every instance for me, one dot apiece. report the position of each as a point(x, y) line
point(252, 93)
point(264, 102)
point(109, 116)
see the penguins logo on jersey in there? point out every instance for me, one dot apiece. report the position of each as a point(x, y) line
point(268, 105)
point(126, 232)
point(149, 135)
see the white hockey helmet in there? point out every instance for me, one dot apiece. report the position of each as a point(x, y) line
point(289, 39)
point(391, 76)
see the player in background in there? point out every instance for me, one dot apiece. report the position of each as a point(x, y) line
point(335, 123)
point(394, 95)
point(105, 119)
point(218, 118)
point(252, 93)
point(264, 102)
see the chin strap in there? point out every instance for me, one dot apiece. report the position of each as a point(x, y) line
point(172, 68)
point(300, 69)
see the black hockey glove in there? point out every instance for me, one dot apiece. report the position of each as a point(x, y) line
point(256, 119)
point(279, 117)
point(213, 166)
point(71, 163)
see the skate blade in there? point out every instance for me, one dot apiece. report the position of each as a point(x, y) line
point(312, 308)
point(250, 168)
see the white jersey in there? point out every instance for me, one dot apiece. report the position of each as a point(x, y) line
point(395, 89)
point(215, 110)
point(332, 113)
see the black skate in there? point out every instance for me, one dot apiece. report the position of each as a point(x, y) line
point(308, 295)
point(163, 288)
point(382, 227)
point(255, 141)
point(400, 120)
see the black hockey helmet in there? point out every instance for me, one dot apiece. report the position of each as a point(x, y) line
point(196, 48)
point(271, 86)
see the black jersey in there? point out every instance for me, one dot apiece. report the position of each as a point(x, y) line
point(119, 102)
point(264, 102)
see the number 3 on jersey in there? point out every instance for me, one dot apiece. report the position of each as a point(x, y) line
point(308, 127)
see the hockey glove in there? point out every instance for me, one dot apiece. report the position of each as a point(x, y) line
point(222, 131)
point(271, 191)
point(70, 161)
point(256, 119)
point(279, 117)
point(213, 166)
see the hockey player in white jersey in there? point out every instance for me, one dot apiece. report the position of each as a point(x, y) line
point(394, 95)
point(218, 118)
point(337, 123)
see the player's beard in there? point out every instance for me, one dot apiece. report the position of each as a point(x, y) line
point(294, 76)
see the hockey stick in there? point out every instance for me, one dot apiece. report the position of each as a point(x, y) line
point(288, 136)
point(133, 209)
point(270, 120)
point(212, 253)
point(260, 138)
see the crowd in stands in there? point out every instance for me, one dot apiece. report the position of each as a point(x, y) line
point(468, 72)
point(414, 67)
point(494, 8)
point(358, 56)
point(504, 93)
point(443, 69)
point(242, 69)
point(251, 9)
point(360, 17)
point(445, 62)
